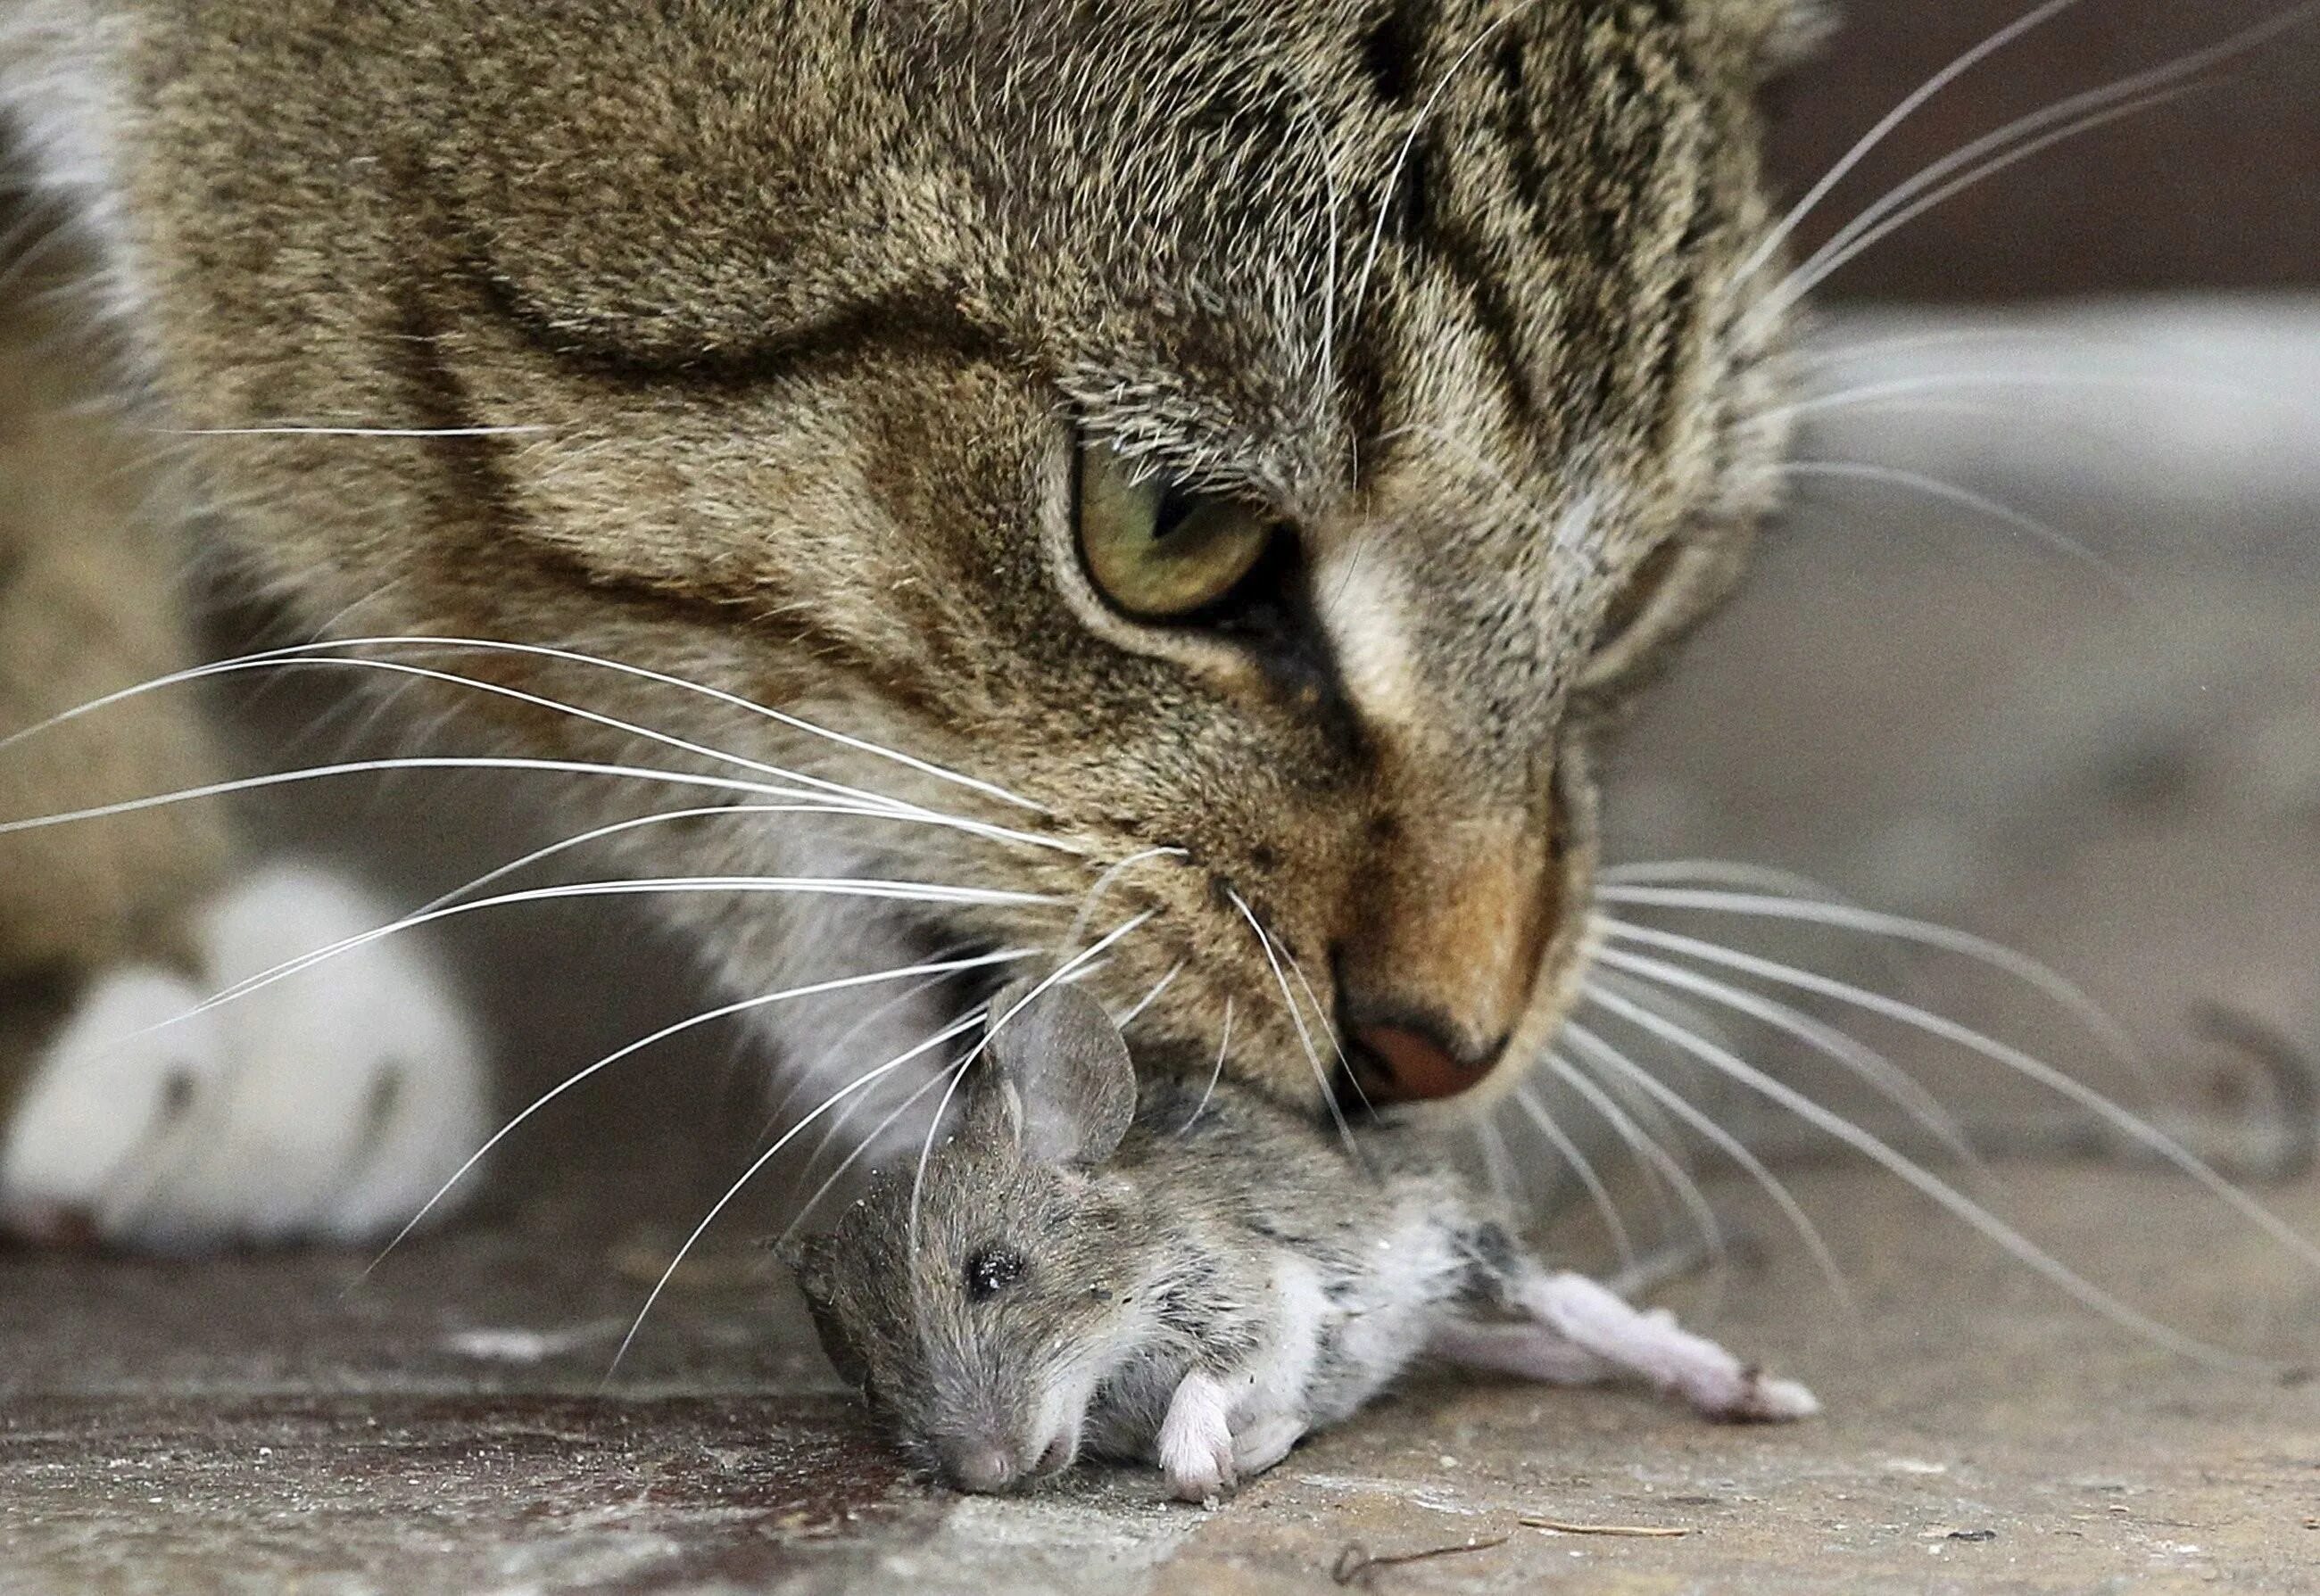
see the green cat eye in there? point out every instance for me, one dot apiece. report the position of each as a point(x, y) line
point(1158, 550)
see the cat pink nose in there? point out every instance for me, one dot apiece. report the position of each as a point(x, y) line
point(1400, 1064)
point(984, 1468)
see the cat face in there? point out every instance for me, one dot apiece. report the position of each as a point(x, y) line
point(1244, 444)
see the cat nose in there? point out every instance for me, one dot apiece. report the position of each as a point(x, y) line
point(1412, 1062)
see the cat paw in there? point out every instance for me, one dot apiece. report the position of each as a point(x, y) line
point(1195, 1449)
point(329, 1105)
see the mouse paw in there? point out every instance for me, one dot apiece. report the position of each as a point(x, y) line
point(1264, 1442)
point(1195, 1449)
point(1598, 1322)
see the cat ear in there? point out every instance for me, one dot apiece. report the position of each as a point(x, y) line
point(1057, 1075)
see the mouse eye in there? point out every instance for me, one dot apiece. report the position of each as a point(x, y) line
point(992, 1271)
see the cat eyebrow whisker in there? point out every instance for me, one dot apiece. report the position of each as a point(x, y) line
point(1666, 1170)
point(2059, 1082)
point(1869, 143)
point(1934, 488)
point(300, 652)
point(1584, 1168)
point(1103, 883)
point(1870, 1145)
point(2028, 135)
point(744, 1006)
point(1705, 1124)
point(859, 1084)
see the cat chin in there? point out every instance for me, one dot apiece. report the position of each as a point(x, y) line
point(327, 1106)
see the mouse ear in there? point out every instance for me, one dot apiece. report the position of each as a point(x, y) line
point(1059, 1074)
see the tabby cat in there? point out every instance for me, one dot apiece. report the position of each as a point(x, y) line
point(1180, 478)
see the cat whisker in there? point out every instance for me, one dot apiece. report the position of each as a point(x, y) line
point(1951, 493)
point(861, 1149)
point(1297, 1018)
point(334, 646)
point(328, 432)
point(1841, 915)
point(1215, 1075)
point(275, 660)
point(1870, 395)
point(1870, 142)
point(1069, 970)
point(1103, 883)
point(693, 1022)
point(1666, 1169)
point(1724, 1141)
point(1584, 1169)
point(1895, 1083)
point(1497, 1167)
point(2015, 1245)
point(2125, 1120)
point(1896, 211)
point(1151, 997)
point(859, 1084)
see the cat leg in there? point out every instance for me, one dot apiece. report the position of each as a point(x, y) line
point(1590, 1319)
point(331, 1105)
point(1195, 1446)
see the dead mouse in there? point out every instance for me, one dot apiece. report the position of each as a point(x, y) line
point(1193, 1280)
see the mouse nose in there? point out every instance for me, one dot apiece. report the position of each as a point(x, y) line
point(982, 1467)
point(1406, 1061)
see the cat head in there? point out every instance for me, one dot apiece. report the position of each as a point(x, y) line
point(1235, 449)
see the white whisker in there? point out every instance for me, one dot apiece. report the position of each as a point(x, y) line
point(350, 431)
point(1844, 916)
point(1934, 488)
point(859, 1084)
point(1725, 1142)
point(2020, 1247)
point(745, 1005)
point(1770, 246)
point(1151, 997)
point(1584, 1168)
point(1665, 1167)
point(1297, 1018)
point(1872, 1067)
point(1103, 884)
point(1215, 1075)
point(2125, 1120)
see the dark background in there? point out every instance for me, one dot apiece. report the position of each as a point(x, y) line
point(2222, 190)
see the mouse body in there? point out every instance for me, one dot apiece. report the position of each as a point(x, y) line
point(1091, 1267)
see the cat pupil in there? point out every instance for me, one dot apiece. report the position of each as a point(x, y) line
point(1176, 506)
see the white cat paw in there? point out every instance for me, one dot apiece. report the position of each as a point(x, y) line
point(329, 1105)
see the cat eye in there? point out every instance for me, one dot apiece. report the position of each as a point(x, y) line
point(992, 1271)
point(1158, 550)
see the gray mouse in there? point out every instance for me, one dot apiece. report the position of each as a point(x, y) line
point(1193, 1280)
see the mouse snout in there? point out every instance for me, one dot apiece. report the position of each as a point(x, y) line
point(980, 1466)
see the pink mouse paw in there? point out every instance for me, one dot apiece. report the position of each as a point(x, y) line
point(1195, 1448)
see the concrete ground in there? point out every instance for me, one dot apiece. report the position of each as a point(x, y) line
point(1933, 715)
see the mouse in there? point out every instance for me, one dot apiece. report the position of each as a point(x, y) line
point(1091, 1266)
